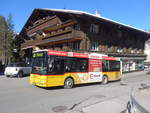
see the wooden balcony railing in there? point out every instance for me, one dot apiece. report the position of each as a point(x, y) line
point(67, 35)
point(114, 50)
point(49, 26)
point(77, 33)
point(61, 36)
point(40, 27)
point(57, 33)
point(30, 44)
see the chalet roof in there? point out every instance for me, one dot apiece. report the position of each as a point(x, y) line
point(76, 12)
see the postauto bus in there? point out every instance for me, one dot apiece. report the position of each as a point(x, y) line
point(59, 68)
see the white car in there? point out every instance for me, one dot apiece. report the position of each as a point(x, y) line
point(17, 69)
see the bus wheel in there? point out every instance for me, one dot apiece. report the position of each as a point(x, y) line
point(105, 79)
point(69, 83)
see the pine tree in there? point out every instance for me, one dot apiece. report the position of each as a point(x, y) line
point(3, 28)
point(9, 41)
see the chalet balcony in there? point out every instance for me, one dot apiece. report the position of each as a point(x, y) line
point(120, 52)
point(48, 26)
point(117, 54)
point(55, 37)
point(30, 44)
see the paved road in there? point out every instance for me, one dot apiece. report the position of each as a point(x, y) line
point(18, 96)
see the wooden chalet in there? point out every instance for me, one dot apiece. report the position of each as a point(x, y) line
point(70, 30)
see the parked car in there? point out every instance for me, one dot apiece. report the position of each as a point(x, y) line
point(17, 69)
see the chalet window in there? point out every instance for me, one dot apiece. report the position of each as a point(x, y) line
point(77, 26)
point(94, 46)
point(70, 45)
point(94, 28)
point(119, 34)
point(74, 45)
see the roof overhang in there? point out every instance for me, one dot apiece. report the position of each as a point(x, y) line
point(37, 12)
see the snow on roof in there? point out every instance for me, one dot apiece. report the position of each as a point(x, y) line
point(96, 16)
point(65, 11)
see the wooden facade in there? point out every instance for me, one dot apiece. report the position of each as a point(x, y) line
point(81, 32)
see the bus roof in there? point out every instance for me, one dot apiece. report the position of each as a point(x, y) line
point(78, 55)
point(110, 58)
point(70, 54)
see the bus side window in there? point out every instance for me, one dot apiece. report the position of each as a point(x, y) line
point(59, 65)
point(51, 66)
point(73, 66)
point(70, 65)
point(76, 65)
point(105, 67)
point(114, 65)
point(82, 65)
point(56, 65)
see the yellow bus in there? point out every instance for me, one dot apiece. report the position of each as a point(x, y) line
point(58, 68)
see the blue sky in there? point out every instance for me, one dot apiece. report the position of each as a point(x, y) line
point(132, 12)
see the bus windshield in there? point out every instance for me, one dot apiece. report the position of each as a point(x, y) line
point(48, 65)
point(39, 65)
